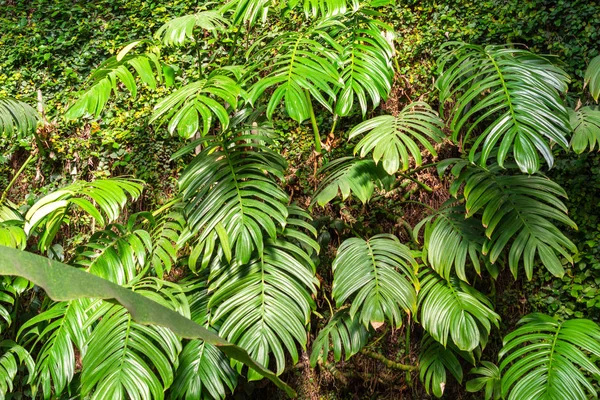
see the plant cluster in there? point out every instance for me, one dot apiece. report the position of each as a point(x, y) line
point(231, 252)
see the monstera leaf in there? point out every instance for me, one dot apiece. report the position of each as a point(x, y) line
point(378, 276)
point(547, 359)
point(511, 96)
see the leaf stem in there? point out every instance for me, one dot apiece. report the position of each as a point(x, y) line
point(14, 179)
point(313, 120)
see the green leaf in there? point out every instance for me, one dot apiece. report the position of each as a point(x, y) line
point(52, 276)
point(106, 78)
point(518, 91)
point(366, 63)
point(518, 213)
point(453, 308)
point(190, 105)
point(391, 139)
point(585, 123)
point(179, 31)
point(545, 359)
point(343, 334)
point(303, 62)
point(17, 117)
point(451, 241)
point(592, 78)
point(231, 184)
point(379, 276)
point(11, 356)
point(434, 360)
point(489, 380)
point(110, 196)
point(348, 175)
point(264, 305)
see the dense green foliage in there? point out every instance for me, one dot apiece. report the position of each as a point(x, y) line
point(218, 117)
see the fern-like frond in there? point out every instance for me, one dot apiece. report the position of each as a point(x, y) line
point(592, 78)
point(379, 275)
point(453, 308)
point(230, 194)
point(434, 361)
point(512, 96)
point(520, 208)
point(117, 253)
point(60, 332)
point(125, 359)
point(391, 139)
point(109, 75)
point(265, 304)
point(17, 117)
point(192, 107)
point(366, 60)
point(204, 371)
point(109, 197)
point(179, 31)
point(344, 334)
point(11, 357)
point(166, 236)
point(348, 175)
point(585, 123)
point(451, 241)
point(299, 66)
point(547, 359)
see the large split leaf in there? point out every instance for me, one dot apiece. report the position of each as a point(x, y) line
point(546, 359)
point(511, 96)
point(379, 275)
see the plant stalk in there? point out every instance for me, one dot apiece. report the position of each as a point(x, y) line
point(14, 179)
point(313, 120)
point(387, 362)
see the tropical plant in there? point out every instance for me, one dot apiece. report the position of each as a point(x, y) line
point(140, 305)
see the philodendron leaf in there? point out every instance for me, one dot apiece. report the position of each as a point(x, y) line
point(62, 283)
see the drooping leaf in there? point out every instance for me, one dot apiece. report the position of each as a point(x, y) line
point(107, 77)
point(547, 359)
point(180, 30)
point(391, 139)
point(231, 185)
point(592, 78)
point(16, 117)
point(434, 361)
point(348, 175)
point(344, 334)
point(489, 379)
point(299, 66)
point(378, 276)
point(126, 359)
point(265, 304)
point(452, 241)
point(518, 213)
point(366, 60)
point(511, 95)
point(192, 108)
point(109, 195)
point(585, 123)
point(456, 310)
point(60, 332)
point(11, 357)
point(204, 372)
